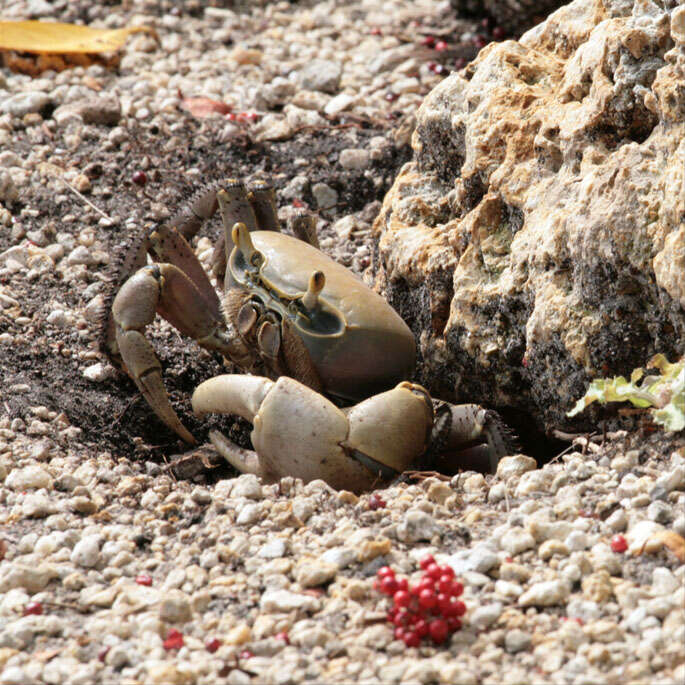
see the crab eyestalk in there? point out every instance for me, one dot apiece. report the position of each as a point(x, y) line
point(310, 299)
point(241, 237)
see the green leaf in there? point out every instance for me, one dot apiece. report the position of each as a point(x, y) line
point(663, 394)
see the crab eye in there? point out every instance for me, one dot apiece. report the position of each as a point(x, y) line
point(256, 259)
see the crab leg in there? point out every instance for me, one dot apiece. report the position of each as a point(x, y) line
point(165, 289)
point(462, 424)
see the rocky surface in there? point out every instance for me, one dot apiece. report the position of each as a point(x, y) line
point(537, 239)
point(119, 562)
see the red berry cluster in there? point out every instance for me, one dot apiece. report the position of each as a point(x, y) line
point(429, 608)
point(619, 544)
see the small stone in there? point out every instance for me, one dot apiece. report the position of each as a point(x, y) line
point(273, 549)
point(24, 103)
point(80, 255)
point(98, 372)
point(103, 110)
point(483, 617)
point(8, 190)
point(663, 581)
point(474, 483)
point(544, 594)
point(86, 552)
point(339, 103)
point(238, 635)
point(342, 557)
point(32, 578)
point(320, 75)
point(551, 547)
point(283, 601)
point(517, 540)
point(354, 158)
point(37, 505)
point(175, 607)
point(660, 512)
point(517, 641)
point(577, 541)
point(315, 573)
point(248, 486)
point(597, 587)
point(83, 505)
point(417, 525)
point(507, 589)
point(439, 492)
point(249, 514)
point(28, 478)
point(243, 55)
point(516, 465)
point(325, 196)
point(533, 481)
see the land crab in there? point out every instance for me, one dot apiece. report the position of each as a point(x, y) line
point(290, 311)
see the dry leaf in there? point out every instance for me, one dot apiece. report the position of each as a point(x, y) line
point(43, 37)
point(204, 107)
point(666, 538)
point(674, 542)
point(3, 549)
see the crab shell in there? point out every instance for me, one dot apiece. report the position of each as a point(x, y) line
point(356, 341)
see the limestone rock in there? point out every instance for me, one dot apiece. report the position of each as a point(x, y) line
point(537, 239)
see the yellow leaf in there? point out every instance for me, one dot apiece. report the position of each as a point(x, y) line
point(43, 37)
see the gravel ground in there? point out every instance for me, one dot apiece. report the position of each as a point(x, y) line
point(117, 565)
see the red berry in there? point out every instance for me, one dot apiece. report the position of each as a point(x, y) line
point(33, 608)
point(283, 636)
point(480, 41)
point(411, 638)
point(444, 604)
point(102, 654)
point(441, 45)
point(485, 22)
point(428, 41)
point(426, 562)
point(376, 31)
point(377, 502)
point(427, 599)
point(401, 618)
point(401, 598)
point(174, 640)
point(437, 629)
point(441, 70)
point(457, 588)
point(212, 645)
point(453, 624)
point(392, 613)
point(446, 570)
point(231, 116)
point(433, 571)
point(144, 579)
point(444, 585)
point(385, 571)
point(245, 654)
point(421, 628)
point(498, 33)
point(139, 178)
point(402, 584)
point(619, 544)
point(432, 66)
point(388, 586)
point(399, 633)
point(457, 608)
point(390, 96)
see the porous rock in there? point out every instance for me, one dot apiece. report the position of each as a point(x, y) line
point(537, 238)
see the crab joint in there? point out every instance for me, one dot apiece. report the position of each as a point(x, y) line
point(316, 283)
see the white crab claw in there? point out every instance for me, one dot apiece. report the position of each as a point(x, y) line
point(231, 394)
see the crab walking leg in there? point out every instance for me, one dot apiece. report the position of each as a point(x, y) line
point(235, 207)
point(263, 200)
point(470, 422)
point(165, 289)
point(169, 246)
point(303, 226)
